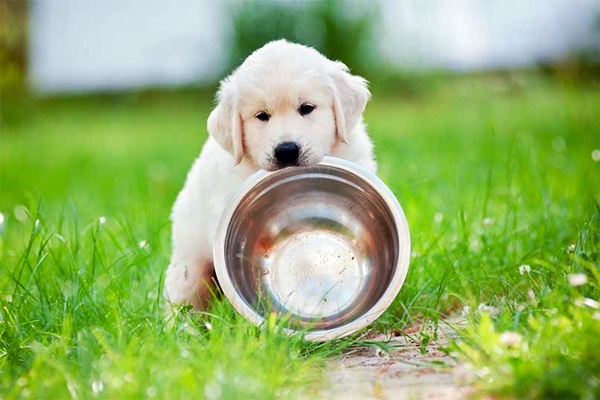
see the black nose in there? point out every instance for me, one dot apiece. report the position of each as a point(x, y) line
point(287, 153)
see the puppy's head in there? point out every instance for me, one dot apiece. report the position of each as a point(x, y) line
point(287, 105)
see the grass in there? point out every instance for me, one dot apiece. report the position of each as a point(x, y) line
point(493, 173)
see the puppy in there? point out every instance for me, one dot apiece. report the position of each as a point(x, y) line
point(286, 105)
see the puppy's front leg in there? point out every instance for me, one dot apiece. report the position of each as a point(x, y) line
point(190, 282)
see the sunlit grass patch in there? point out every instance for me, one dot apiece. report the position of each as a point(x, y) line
point(500, 188)
point(543, 344)
point(82, 316)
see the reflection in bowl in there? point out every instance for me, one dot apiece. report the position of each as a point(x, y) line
point(327, 246)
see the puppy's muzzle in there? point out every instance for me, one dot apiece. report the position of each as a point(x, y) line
point(287, 154)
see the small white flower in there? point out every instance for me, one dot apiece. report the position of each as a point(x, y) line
point(184, 353)
point(102, 220)
point(511, 339)
point(142, 244)
point(438, 217)
point(208, 325)
point(577, 279)
point(97, 387)
point(488, 221)
point(589, 302)
point(1, 218)
point(571, 248)
point(524, 269)
point(596, 155)
point(465, 310)
point(490, 309)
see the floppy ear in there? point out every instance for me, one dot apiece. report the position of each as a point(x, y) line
point(225, 122)
point(350, 97)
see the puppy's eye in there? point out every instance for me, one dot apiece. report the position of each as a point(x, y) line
point(262, 116)
point(306, 108)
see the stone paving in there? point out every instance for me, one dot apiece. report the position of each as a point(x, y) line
point(404, 372)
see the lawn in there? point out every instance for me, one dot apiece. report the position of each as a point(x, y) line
point(499, 176)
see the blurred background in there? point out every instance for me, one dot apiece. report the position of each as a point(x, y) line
point(69, 46)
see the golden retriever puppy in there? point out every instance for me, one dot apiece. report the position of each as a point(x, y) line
point(286, 105)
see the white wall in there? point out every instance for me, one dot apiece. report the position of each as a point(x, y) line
point(81, 45)
point(114, 44)
point(475, 34)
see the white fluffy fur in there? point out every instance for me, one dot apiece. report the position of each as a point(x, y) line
point(277, 78)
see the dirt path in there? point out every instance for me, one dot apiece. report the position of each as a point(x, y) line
point(402, 373)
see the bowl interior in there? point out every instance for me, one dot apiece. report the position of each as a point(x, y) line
point(318, 244)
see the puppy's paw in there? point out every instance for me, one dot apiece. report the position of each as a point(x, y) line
point(190, 283)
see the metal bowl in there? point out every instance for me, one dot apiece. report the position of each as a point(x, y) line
point(327, 246)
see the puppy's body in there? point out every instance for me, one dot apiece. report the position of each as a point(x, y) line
point(286, 105)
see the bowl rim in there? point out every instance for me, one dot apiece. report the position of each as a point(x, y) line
point(390, 293)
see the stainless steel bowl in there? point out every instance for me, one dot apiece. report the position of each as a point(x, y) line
point(327, 246)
